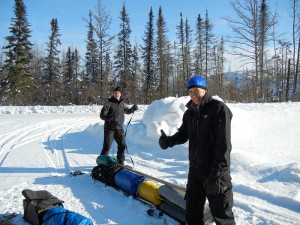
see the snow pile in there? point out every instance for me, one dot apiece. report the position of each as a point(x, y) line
point(164, 114)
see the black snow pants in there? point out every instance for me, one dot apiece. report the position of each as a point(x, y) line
point(119, 137)
point(220, 204)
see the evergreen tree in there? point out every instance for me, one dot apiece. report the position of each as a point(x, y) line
point(266, 22)
point(124, 56)
point(19, 86)
point(148, 55)
point(208, 42)
point(162, 52)
point(52, 65)
point(198, 52)
point(136, 71)
point(76, 66)
point(77, 76)
point(218, 67)
point(91, 55)
point(107, 74)
point(187, 51)
point(68, 73)
point(181, 64)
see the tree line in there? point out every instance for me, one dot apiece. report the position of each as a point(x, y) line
point(157, 67)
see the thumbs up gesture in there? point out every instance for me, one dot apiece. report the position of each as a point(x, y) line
point(164, 140)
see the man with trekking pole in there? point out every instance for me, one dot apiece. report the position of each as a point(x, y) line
point(113, 113)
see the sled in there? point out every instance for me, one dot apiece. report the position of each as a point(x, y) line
point(175, 204)
point(173, 211)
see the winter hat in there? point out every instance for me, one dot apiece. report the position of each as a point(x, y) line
point(198, 82)
point(118, 89)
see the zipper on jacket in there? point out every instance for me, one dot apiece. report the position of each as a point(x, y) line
point(197, 135)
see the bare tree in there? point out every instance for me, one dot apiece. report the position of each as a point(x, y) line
point(101, 27)
point(250, 34)
point(296, 29)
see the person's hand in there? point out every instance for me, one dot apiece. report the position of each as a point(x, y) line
point(164, 140)
point(135, 107)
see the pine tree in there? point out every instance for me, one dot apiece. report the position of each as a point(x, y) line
point(19, 86)
point(52, 64)
point(148, 55)
point(124, 56)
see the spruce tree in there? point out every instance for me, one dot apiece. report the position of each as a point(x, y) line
point(181, 69)
point(187, 51)
point(136, 72)
point(148, 55)
point(163, 55)
point(91, 55)
point(208, 42)
point(198, 51)
point(52, 74)
point(19, 86)
point(124, 56)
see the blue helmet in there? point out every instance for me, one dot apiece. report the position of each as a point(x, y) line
point(197, 81)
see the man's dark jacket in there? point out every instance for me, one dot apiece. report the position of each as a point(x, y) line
point(207, 127)
point(113, 113)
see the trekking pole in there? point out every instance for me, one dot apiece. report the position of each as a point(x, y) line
point(128, 123)
point(125, 137)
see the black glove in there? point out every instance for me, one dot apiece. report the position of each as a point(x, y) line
point(164, 140)
point(135, 107)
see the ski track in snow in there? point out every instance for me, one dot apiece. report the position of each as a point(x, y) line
point(264, 186)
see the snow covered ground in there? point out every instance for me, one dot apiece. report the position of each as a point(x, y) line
point(40, 146)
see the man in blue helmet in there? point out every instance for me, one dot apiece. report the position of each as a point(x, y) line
point(206, 124)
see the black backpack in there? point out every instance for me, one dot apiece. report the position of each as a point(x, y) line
point(37, 202)
point(105, 174)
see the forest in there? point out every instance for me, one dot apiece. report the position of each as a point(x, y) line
point(157, 67)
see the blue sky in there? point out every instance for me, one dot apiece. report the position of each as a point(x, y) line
point(70, 14)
